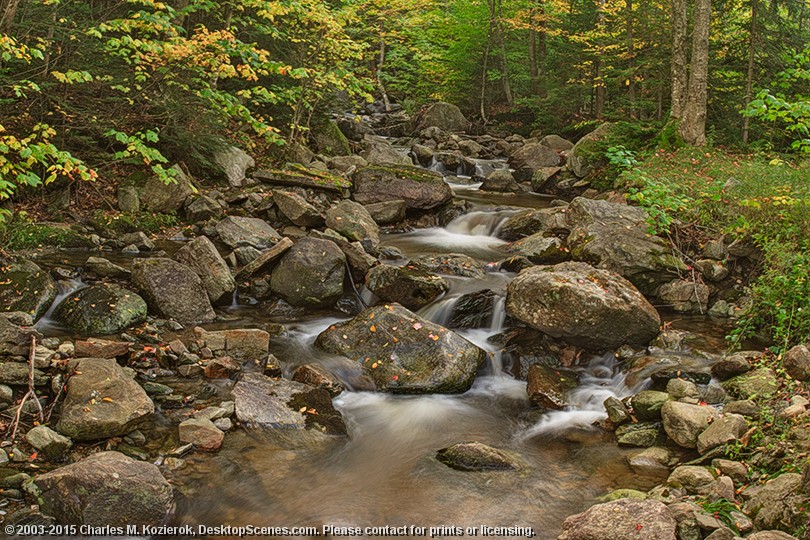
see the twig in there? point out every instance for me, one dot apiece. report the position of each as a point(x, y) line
point(30, 393)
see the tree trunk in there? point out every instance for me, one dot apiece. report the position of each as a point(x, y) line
point(631, 60)
point(693, 123)
point(8, 11)
point(378, 71)
point(599, 84)
point(496, 35)
point(749, 77)
point(537, 44)
point(678, 71)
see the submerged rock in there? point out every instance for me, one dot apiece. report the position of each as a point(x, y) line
point(591, 308)
point(173, 290)
point(104, 489)
point(26, 287)
point(475, 456)
point(101, 310)
point(624, 519)
point(403, 353)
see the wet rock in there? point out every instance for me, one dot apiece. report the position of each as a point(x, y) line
point(403, 353)
point(236, 231)
point(101, 310)
point(548, 387)
point(591, 308)
point(16, 340)
point(545, 221)
point(685, 296)
point(50, 443)
point(614, 237)
point(445, 116)
point(647, 404)
point(310, 274)
point(387, 212)
point(241, 343)
point(758, 383)
point(381, 153)
point(530, 158)
point(642, 434)
point(101, 267)
point(411, 287)
point(452, 264)
point(297, 209)
point(684, 422)
point(501, 180)
point(797, 363)
point(474, 310)
point(475, 456)
point(203, 259)
point(539, 249)
point(317, 376)
point(100, 348)
point(695, 480)
point(779, 504)
point(419, 188)
point(661, 378)
point(157, 196)
point(203, 208)
point(652, 461)
point(282, 404)
point(265, 259)
point(221, 367)
point(724, 429)
point(172, 290)
point(353, 221)
point(25, 287)
point(105, 489)
point(616, 411)
point(621, 520)
point(102, 401)
point(585, 157)
point(202, 433)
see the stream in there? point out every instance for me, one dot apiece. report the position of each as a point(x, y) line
point(385, 473)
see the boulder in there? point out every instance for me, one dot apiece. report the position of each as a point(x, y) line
point(25, 287)
point(138, 239)
point(586, 156)
point(234, 163)
point(282, 404)
point(16, 340)
point(203, 259)
point(473, 310)
point(444, 116)
point(403, 353)
point(105, 489)
point(101, 310)
point(757, 383)
point(236, 231)
point(303, 177)
point(330, 140)
point(797, 363)
point(241, 343)
point(531, 158)
point(102, 267)
point(419, 188)
point(295, 208)
point(647, 404)
point(381, 153)
point(100, 348)
point(387, 212)
point(779, 504)
point(353, 221)
point(50, 443)
point(264, 258)
point(539, 249)
point(616, 411)
point(172, 290)
point(411, 287)
point(641, 434)
point(614, 237)
point(317, 376)
point(684, 422)
point(475, 456)
point(694, 479)
point(451, 264)
point(732, 365)
point(203, 208)
point(501, 180)
point(624, 519)
point(555, 142)
point(102, 401)
point(310, 273)
point(548, 387)
point(16, 374)
point(589, 307)
point(159, 197)
point(685, 296)
point(550, 221)
point(725, 429)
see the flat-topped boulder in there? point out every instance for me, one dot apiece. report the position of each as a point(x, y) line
point(237, 231)
point(418, 188)
point(172, 290)
point(303, 177)
point(412, 287)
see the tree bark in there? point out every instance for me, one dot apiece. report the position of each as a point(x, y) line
point(496, 35)
point(378, 71)
point(749, 77)
point(693, 124)
point(599, 85)
point(678, 72)
point(537, 44)
point(631, 60)
point(8, 11)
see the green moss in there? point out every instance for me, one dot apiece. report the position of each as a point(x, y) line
point(299, 175)
point(28, 235)
point(125, 222)
point(406, 172)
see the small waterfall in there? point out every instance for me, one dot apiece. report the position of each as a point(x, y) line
point(440, 311)
point(65, 287)
point(437, 166)
point(480, 223)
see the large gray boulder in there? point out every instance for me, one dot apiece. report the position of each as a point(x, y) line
point(26, 287)
point(310, 273)
point(237, 231)
point(543, 222)
point(202, 257)
point(444, 116)
point(684, 422)
point(101, 310)
point(297, 209)
point(157, 196)
point(588, 307)
point(614, 237)
point(419, 188)
point(172, 290)
point(587, 154)
point(412, 287)
point(234, 163)
point(403, 353)
point(330, 140)
point(725, 429)
point(102, 401)
point(531, 158)
point(353, 221)
point(380, 152)
point(797, 362)
point(624, 519)
point(104, 489)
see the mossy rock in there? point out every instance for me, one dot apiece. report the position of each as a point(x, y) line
point(758, 383)
point(330, 140)
point(419, 188)
point(26, 287)
point(101, 310)
point(300, 176)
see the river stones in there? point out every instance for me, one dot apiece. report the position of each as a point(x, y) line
point(26, 287)
point(548, 387)
point(754, 384)
point(102, 267)
point(779, 504)
point(310, 274)
point(204, 260)
point(409, 286)
point(104, 489)
point(268, 403)
point(539, 249)
point(624, 519)
point(530, 158)
point(476, 456)
point(353, 221)
point(50, 443)
point(403, 353)
point(202, 433)
point(544, 221)
point(102, 401)
point(452, 264)
point(725, 429)
point(101, 310)
point(419, 188)
point(236, 231)
point(173, 290)
point(684, 422)
point(501, 180)
point(588, 307)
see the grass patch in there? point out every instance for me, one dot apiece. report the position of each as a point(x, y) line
point(752, 198)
